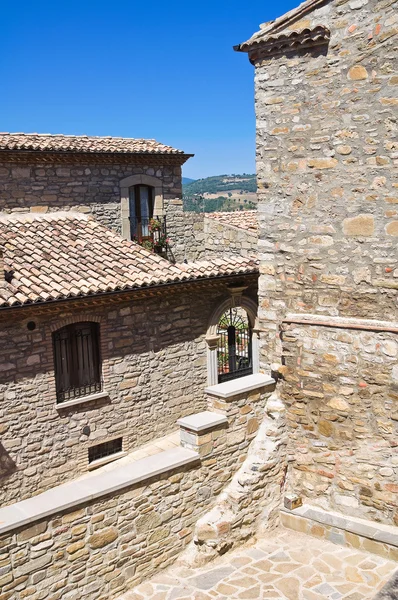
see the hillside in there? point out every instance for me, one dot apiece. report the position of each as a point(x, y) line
point(221, 193)
point(187, 180)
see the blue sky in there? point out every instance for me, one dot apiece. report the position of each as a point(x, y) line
point(155, 69)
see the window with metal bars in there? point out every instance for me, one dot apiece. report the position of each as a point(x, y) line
point(105, 449)
point(234, 352)
point(77, 361)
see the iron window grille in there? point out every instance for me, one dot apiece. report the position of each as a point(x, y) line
point(234, 352)
point(77, 361)
point(105, 449)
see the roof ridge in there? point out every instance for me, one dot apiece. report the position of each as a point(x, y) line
point(29, 217)
point(87, 144)
point(80, 136)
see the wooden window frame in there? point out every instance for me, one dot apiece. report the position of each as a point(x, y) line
point(136, 218)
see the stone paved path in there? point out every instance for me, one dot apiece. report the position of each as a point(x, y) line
point(288, 565)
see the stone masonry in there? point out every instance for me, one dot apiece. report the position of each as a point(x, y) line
point(326, 108)
point(93, 186)
point(154, 370)
point(102, 548)
point(85, 187)
point(199, 235)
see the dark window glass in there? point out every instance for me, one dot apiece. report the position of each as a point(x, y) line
point(141, 211)
point(105, 449)
point(77, 361)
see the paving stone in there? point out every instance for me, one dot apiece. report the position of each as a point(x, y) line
point(325, 589)
point(330, 572)
point(211, 578)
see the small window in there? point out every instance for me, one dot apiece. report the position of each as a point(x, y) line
point(141, 211)
point(234, 352)
point(77, 361)
point(105, 449)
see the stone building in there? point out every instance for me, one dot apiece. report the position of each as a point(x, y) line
point(326, 110)
point(122, 182)
point(108, 350)
point(114, 179)
point(76, 292)
point(105, 347)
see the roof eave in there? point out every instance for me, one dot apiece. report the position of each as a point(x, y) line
point(254, 271)
point(19, 154)
point(280, 23)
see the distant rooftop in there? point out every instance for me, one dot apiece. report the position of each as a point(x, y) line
point(243, 219)
point(62, 255)
point(46, 142)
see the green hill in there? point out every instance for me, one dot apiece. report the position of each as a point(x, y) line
point(187, 180)
point(221, 193)
point(221, 183)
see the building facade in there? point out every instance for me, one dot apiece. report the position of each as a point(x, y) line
point(326, 108)
point(104, 344)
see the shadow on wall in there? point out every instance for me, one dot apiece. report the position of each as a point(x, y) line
point(7, 465)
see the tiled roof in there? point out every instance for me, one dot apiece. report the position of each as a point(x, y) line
point(59, 255)
point(272, 28)
point(288, 40)
point(245, 219)
point(46, 142)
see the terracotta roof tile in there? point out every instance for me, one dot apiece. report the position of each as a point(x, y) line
point(288, 19)
point(47, 142)
point(245, 219)
point(74, 255)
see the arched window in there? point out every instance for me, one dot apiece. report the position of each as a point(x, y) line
point(234, 351)
point(77, 361)
point(233, 339)
point(141, 199)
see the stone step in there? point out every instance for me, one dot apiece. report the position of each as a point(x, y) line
point(344, 530)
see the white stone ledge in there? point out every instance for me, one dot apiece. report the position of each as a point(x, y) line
point(239, 386)
point(387, 534)
point(73, 494)
point(82, 400)
point(202, 421)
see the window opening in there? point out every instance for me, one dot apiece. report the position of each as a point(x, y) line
point(234, 352)
point(77, 361)
point(105, 449)
point(141, 211)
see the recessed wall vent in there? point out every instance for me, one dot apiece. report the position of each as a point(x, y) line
point(105, 449)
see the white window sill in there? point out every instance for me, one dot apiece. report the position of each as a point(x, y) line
point(104, 461)
point(82, 400)
point(240, 385)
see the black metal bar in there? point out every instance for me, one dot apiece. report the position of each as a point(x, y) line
point(234, 347)
point(77, 361)
point(151, 232)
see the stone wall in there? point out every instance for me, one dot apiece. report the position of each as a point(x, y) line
point(154, 371)
point(250, 503)
point(96, 189)
point(197, 236)
point(100, 550)
point(342, 412)
point(186, 233)
point(221, 238)
point(326, 167)
point(85, 187)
